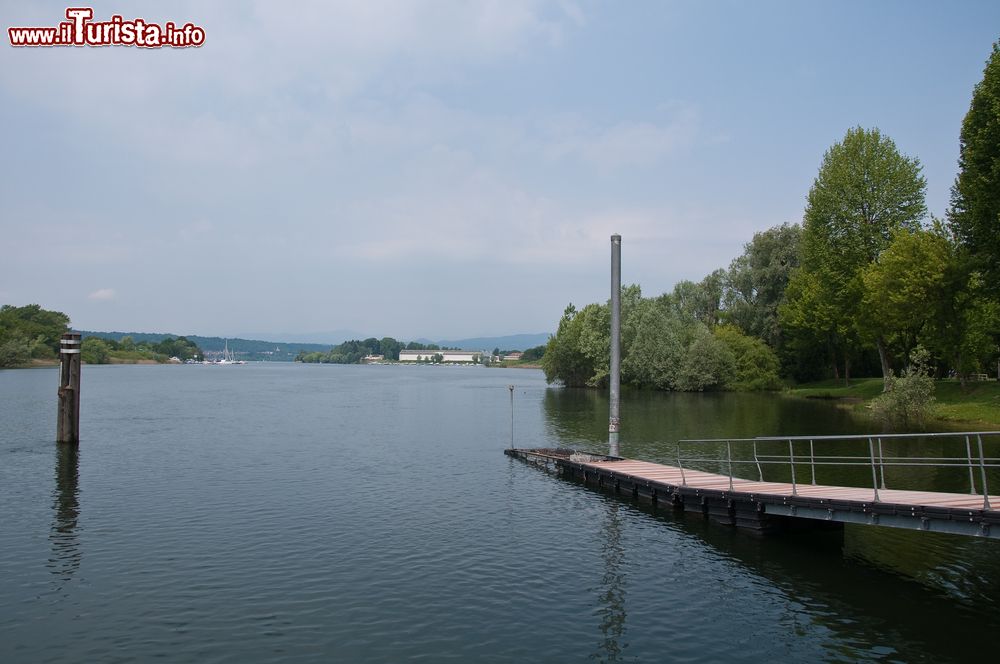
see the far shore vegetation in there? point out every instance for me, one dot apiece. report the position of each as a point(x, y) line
point(387, 349)
point(30, 336)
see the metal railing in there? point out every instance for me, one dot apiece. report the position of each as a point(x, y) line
point(872, 454)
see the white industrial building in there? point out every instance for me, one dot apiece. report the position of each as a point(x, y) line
point(463, 356)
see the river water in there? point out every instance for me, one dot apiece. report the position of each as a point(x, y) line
point(279, 512)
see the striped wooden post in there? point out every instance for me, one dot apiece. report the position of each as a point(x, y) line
point(68, 419)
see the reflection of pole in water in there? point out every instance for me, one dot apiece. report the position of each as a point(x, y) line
point(65, 558)
point(612, 595)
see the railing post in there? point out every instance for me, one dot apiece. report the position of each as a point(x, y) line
point(972, 477)
point(791, 464)
point(757, 461)
point(982, 470)
point(881, 462)
point(871, 453)
point(812, 461)
point(680, 465)
point(729, 457)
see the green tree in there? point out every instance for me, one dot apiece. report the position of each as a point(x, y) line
point(757, 279)
point(41, 329)
point(94, 350)
point(808, 315)
point(533, 354)
point(655, 348)
point(708, 363)
point(565, 358)
point(921, 291)
point(902, 288)
point(966, 324)
point(975, 196)
point(755, 366)
point(701, 301)
point(15, 350)
point(390, 348)
point(181, 348)
point(865, 191)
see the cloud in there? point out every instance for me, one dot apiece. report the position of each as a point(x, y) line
point(626, 144)
point(363, 138)
point(333, 49)
point(103, 294)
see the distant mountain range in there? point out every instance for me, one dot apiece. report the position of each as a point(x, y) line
point(285, 351)
point(334, 337)
point(328, 337)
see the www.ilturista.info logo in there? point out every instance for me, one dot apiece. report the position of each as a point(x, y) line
point(81, 30)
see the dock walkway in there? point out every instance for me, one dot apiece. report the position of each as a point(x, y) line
point(765, 506)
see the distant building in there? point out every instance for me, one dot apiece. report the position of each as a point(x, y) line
point(372, 358)
point(461, 356)
point(513, 357)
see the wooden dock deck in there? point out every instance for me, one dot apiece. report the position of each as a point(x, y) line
point(766, 506)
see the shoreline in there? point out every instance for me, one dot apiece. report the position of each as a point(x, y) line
point(978, 403)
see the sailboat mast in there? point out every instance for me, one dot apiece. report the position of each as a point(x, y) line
point(616, 333)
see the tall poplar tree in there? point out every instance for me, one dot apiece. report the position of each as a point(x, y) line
point(975, 196)
point(865, 191)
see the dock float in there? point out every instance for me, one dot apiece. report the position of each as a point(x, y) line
point(765, 507)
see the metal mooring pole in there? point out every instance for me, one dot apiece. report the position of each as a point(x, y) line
point(616, 351)
point(511, 388)
point(68, 419)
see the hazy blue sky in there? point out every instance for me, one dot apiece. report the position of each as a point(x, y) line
point(443, 169)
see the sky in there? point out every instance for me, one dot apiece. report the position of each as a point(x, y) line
point(443, 169)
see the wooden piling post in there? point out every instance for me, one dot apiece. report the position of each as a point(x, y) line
point(68, 418)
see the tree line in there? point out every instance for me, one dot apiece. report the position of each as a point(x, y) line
point(30, 333)
point(98, 350)
point(867, 281)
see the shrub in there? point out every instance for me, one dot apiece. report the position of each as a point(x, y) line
point(756, 365)
point(910, 396)
point(15, 351)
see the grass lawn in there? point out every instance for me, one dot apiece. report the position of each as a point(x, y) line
point(978, 404)
point(859, 388)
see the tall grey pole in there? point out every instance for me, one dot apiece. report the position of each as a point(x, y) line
point(616, 334)
point(511, 388)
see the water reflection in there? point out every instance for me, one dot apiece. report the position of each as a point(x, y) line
point(612, 590)
point(650, 419)
point(65, 559)
point(879, 592)
point(653, 422)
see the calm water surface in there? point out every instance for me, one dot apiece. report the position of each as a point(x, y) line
point(280, 512)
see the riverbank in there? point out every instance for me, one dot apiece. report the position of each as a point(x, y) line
point(43, 364)
point(978, 403)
